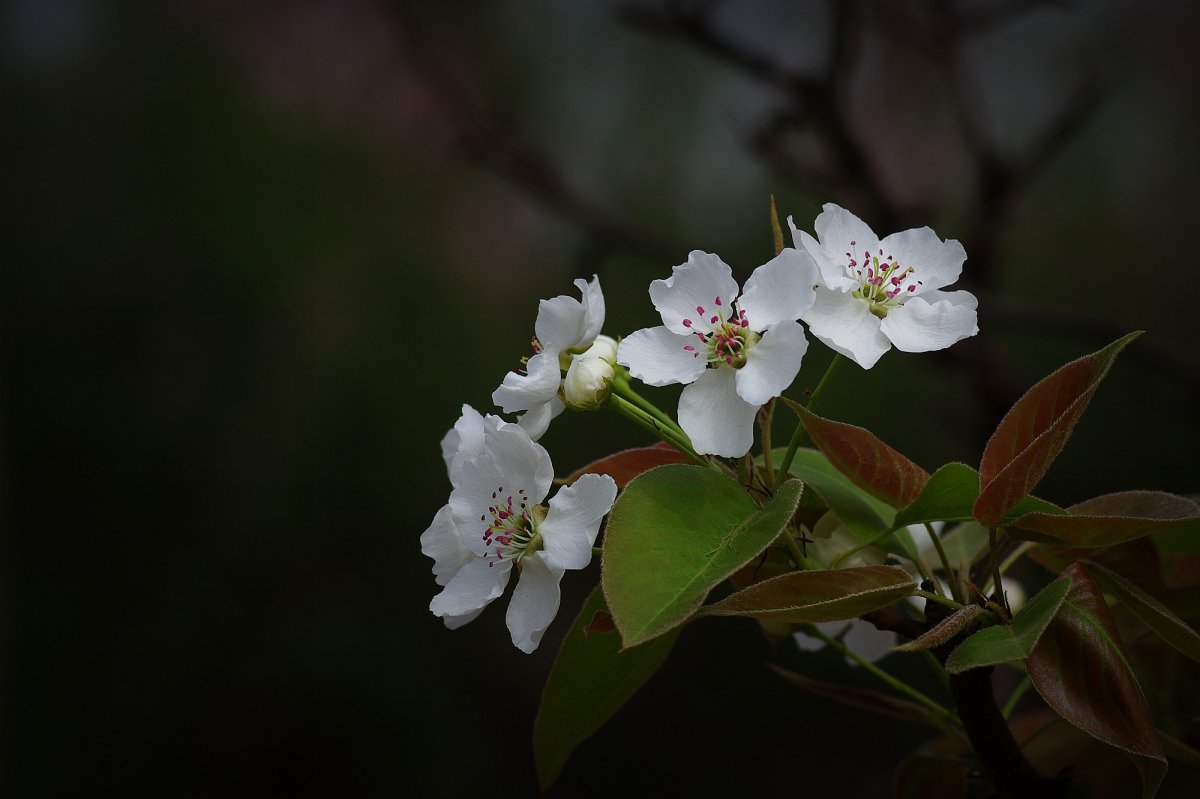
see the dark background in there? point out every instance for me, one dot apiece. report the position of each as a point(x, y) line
point(255, 256)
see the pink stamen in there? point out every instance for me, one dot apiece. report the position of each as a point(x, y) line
point(718, 301)
point(687, 322)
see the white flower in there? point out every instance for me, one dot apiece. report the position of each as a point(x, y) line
point(495, 519)
point(875, 294)
point(564, 326)
point(735, 353)
point(588, 382)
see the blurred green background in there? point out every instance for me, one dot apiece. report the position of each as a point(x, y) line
point(255, 256)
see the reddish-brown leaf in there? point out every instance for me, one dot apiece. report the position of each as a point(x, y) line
point(816, 596)
point(1113, 519)
point(628, 464)
point(1136, 561)
point(957, 622)
point(870, 464)
point(1033, 432)
point(1080, 668)
point(859, 697)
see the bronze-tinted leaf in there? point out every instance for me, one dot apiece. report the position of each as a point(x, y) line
point(625, 465)
point(869, 463)
point(957, 622)
point(1080, 668)
point(859, 697)
point(816, 596)
point(1136, 561)
point(1034, 431)
point(1113, 519)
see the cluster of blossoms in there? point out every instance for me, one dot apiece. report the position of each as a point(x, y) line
point(733, 348)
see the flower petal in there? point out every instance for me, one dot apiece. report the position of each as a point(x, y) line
point(474, 586)
point(465, 439)
point(511, 462)
point(573, 520)
point(935, 263)
point(694, 293)
point(846, 325)
point(537, 419)
point(454, 622)
point(780, 290)
point(832, 271)
point(534, 603)
point(772, 363)
point(933, 321)
point(718, 421)
point(443, 542)
point(520, 392)
point(560, 322)
point(593, 310)
point(657, 357)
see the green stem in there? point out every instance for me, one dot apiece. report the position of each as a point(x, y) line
point(803, 561)
point(943, 714)
point(643, 420)
point(938, 598)
point(622, 386)
point(950, 576)
point(993, 552)
point(597, 550)
point(1018, 692)
point(798, 434)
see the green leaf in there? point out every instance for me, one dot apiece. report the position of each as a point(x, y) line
point(945, 630)
point(862, 698)
point(625, 465)
point(950, 496)
point(1113, 519)
point(591, 679)
point(816, 596)
point(1080, 668)
point(1034, 431)
point(674, 533)
point(869, 463)
point(1153, 613)
point(1010, 642)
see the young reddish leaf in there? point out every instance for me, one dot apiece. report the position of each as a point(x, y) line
point(1080, 668)
point(591, 679)
point(1113, 519)
point(957, 622)
point(816, 596)
point(628, 464)
point(1034, 431)
point(1153, 613)
point(869, 463)
point(859, 697)
point(1137, 561)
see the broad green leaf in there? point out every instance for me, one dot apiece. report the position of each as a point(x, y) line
point(859, 697)
point(625, 465)
point(674, 533)
point(816, 596)
point(1153, 613)
point(1034, 431)
point(591, 679)
point(869, 463)
point(950, 496)
point(1009, 642)
point(1113, 519)
point(945, 630)
point(965, 544)
point(1080, 668)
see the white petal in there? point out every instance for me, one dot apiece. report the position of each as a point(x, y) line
point(537, 419)
point(573, 520)
point(694, 292)
point(657, 357)
point(931, 322)
point(454, 622)
point(780, 290)
point(465, 439)
point(832, 272)
point(772, 363)
point(593, 309)
point(846, 325)
point(511, 462)
point(472, 588)
point(534, 603)
point(842, 232)
point(443, 542)
point(935, 263)
point(560, 322)
point(520, 392)
point(718, 421)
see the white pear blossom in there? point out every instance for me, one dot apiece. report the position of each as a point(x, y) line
point(495, 521)
point(874, 294)
point(588, 382)
point(733, 353)
point(564, 326)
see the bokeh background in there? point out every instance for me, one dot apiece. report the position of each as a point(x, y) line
point(256, 255)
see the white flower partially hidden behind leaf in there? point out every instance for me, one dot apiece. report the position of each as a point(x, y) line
point(733, 353)
point(495, 521)
point(564, 326)
point(875, 294)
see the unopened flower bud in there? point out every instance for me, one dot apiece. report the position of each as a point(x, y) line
point(588, 383)
point(604, 347)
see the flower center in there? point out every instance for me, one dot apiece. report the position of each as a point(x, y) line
point(511, 531)
point(727, 341)
point(882, 281)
